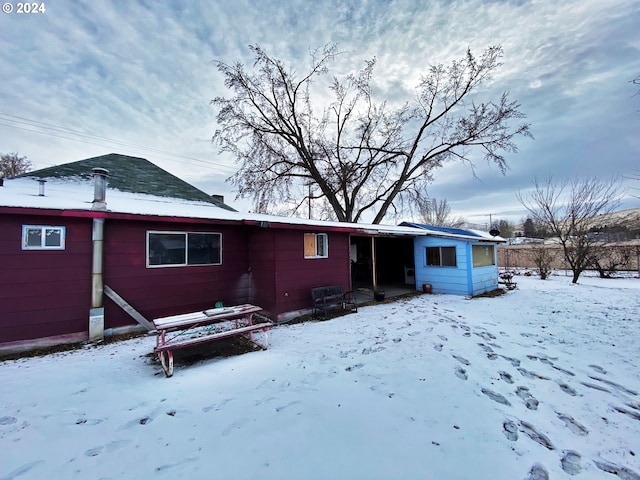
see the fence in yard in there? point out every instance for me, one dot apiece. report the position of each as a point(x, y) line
point(625, 255)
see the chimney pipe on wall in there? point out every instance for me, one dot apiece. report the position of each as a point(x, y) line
point(100, 188)
point(96, 313)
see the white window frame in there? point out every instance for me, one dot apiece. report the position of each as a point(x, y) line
point(441, 256)
point(186, 253)
point(325, 243)
point(62, 231)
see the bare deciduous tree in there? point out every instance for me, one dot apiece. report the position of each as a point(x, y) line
point(611, 260)
point(359, 154)
point(567, 209)
point(433, 211)
point(12, 164)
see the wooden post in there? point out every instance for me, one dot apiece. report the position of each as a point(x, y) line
point(374, 273)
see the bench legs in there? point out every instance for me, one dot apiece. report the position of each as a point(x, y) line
point(259, 338)
point(166, 360)
point(166, 356)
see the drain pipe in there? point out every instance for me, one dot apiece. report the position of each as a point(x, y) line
point(96, 314)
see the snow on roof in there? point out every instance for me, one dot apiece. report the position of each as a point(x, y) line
point(77, 194)
point(450, 232)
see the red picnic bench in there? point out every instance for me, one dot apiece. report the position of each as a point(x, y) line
point(189, 329)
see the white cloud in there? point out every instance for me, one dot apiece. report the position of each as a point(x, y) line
point(144, 72)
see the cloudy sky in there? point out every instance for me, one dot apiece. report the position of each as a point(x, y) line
point(87, 78)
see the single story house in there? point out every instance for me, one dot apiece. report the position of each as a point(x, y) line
point(103, 245)
point(456, 260)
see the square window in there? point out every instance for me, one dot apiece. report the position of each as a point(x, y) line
point(483, 255)
point(316, 245)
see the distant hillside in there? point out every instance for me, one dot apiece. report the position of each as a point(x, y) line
point(629, 219)
point(622, 225)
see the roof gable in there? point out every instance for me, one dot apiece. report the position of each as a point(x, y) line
point(130, 174)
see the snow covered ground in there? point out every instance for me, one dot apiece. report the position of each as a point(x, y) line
point(543, 381)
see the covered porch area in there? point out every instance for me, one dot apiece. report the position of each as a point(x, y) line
point(381, 265)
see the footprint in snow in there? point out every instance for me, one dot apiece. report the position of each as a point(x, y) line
point(505, 376)
point(538, 472)
point(566, 372)
point(570, 462)
point(630, 413)
point(8, 420)
point(530, 374)
point(623, 472)
point(598, 369)
point(461, 373)
point(236, 425)
point(614, 385)
point(514, 361)
point(510, 430)
point(283, 407)
point(485, 335)
point(496, 397)
point(88, 421)
point(22, 469)
point(94, 452)
point(168, 466)
point(536, 436)
point(438, 347)
point(596, 387)
point(217, 406)
point(462, 360)
point(567, 389)
point(529, 400)
point(354, 367)
point(573, 425)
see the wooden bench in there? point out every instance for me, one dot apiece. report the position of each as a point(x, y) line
point(190, 329)
point(332, 297)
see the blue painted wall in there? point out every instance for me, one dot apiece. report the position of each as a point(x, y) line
point(462, 279)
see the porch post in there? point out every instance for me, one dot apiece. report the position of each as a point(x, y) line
point(374, 273)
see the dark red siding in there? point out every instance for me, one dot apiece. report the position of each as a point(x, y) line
point(44, 292)
point(156, 292)
point(262, 243)
point(296, 275)
point(48, 293)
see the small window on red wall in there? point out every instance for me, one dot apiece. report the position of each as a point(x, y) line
point(39, 237)
point(316, 245)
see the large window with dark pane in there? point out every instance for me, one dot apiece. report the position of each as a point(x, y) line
point(179, 249)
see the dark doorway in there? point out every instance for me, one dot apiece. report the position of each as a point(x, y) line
point(391, 257)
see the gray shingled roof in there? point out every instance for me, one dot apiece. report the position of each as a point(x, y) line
point(131, 174)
